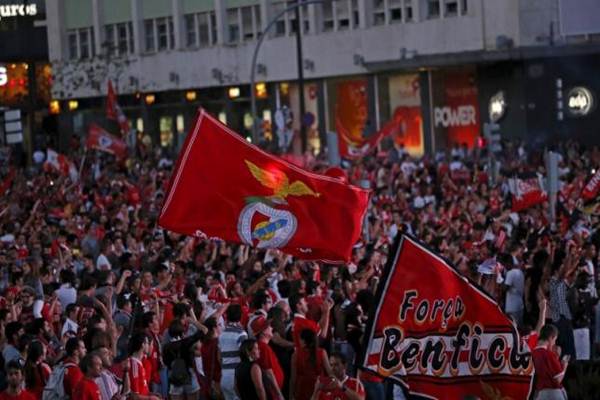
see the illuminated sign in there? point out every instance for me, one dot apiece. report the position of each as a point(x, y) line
point(580, 101)
point(18, 10)
point(497, 107)
point(3, 76)
point(463, 115)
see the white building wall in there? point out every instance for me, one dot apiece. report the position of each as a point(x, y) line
point(332, 53)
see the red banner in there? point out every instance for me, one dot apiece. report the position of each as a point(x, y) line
point(226, 188)
point(440, 336)
point(526, 191)
point(590, 190)
point(101, 140)
point(113, 111)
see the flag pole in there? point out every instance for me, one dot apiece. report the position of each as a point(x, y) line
point(82, 162)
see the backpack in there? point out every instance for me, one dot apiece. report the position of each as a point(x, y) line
point(55, 388)
point(179, 375)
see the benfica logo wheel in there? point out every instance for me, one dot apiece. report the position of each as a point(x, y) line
point(266, 227)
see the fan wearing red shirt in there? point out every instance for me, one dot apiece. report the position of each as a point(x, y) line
point(87, 389)
point(549, 370)
point(340, 386)
point(299, 307)
point(15, 380)
point(269, 364)
point(138, 376)
point(75, 349)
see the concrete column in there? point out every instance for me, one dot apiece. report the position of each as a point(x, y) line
point(220, 14)
point(313, 26)
point(264, 14)
point(98, 23)
point(178, 28)
point(365, 13)
point(138, 28)
point(57, 40)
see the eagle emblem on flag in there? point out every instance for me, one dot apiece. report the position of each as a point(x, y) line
point(260, 220)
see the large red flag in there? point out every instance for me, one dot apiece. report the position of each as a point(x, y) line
point(99, 139)
point(440, 336)
point(226, 188)
point(113, 111)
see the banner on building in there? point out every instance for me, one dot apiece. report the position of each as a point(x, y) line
point(351, 110)
point(223, 187)
point(405, 106)
point(456, 111)
point(527, 190)
point(440, 336)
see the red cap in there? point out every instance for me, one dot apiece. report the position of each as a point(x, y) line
point(258, 325)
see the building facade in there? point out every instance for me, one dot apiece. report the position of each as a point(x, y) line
point(441, 66)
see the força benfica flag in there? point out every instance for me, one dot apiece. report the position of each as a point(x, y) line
point(225, 188)
point(441, 337)
point(101, 140)
point(113, 111)
point(526, 191)
point(352, 151)
point(590, 190)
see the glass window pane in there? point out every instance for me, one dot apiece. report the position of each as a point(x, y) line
point(130, 28)
point(327, 17)
point(171, 33)
point(122, 37)
point(190, 30)
point(162, 34)
point(213, 27)
point(109, 39)
point(247, 23)
point(72, 45)
point(433, 8)
point(203, 29)
point(84, 45)
point(149, 29)
point(232, 25)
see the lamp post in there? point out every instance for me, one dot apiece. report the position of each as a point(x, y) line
point(294, 7)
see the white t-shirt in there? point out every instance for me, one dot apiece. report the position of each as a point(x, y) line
point(515, 280)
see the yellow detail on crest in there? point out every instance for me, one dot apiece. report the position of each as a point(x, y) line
point(279, 182)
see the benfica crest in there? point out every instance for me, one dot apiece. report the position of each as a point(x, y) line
point(261, 223)
point(104, 142)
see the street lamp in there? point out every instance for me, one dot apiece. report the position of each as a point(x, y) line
point(294, 7)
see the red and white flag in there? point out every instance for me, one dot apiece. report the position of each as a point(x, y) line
point(99, 139)
point(113, 111)
point(590, 190)
point(226, 188)
point(62, 164)
point(439, 336)
point(355, 150)
point(527, 191)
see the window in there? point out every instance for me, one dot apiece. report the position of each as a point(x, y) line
point(342, 14)
point(408, 11)
point(191, 30)
point(149, 35)
point(81, 43)
point(233, 25)
point(465, 7)
point(118, 39)
point(200, 29)
point(159, 34)
point(251, 25)
point(379, 12)
point(395, 10)
point(327, 11)
point(287, 24)
point(72, 38)
point(433, 8)
point(451, 8)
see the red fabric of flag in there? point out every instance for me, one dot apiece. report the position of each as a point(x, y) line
point(113, 111)
point(99, 139)
point(352, 150)
point(226, 188)
point(527, 191)
point(590, 190)
point(440, 336)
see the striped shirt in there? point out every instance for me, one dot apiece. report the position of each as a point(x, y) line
point(229, 343)
point(558, 289)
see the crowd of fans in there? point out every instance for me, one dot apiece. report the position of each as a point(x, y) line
point(98, 302)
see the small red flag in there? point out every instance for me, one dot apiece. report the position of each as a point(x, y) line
point(439, 335)
point(527, 191)
point(101, 140)
point(113, 111)
point(352, 151)
point(226, 188)
point(61, 163)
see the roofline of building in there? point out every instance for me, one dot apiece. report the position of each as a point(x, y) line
point(481, 57)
